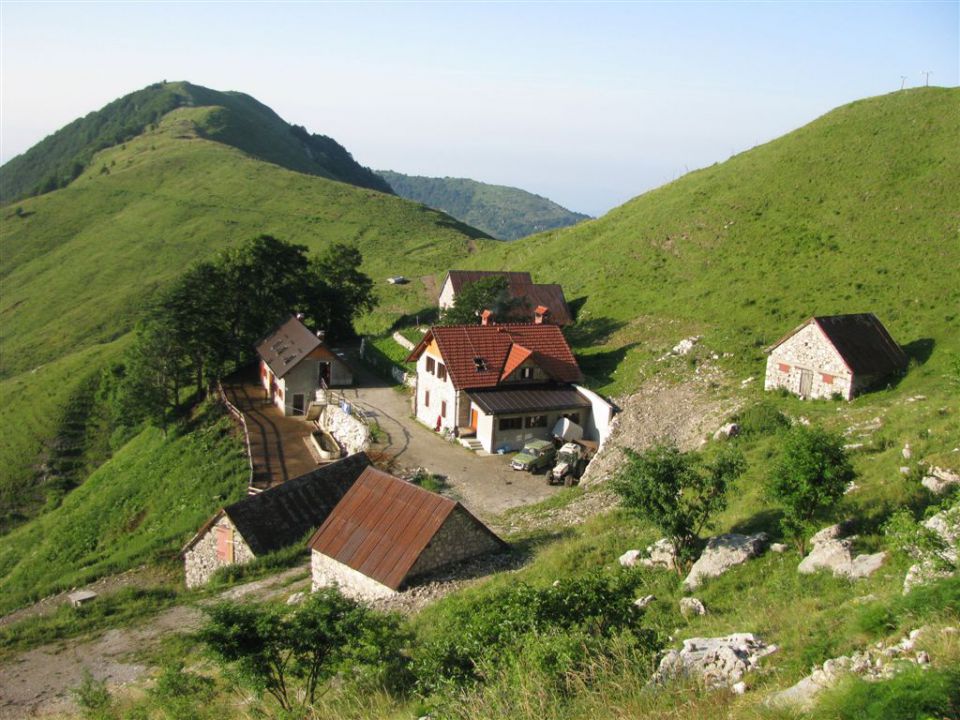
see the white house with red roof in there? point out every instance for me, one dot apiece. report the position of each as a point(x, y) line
point(502, 384)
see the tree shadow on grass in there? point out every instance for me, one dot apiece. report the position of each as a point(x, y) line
point(426, 316)
point(767, 521)
point(592, 331)
point(599, 368)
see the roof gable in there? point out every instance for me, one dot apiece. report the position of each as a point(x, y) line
point(283, 514)
point(520, 286)
point(284, 348)
point(515, 358)
point(382, 526)
point(476, 356)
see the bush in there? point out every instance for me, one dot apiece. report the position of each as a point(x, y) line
point(913, 694)
point(761, 419)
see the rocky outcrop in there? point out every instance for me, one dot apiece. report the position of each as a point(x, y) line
point(722, 553)
point(691, 607)
point(938, 480)
point(659, 555)
point(727, 431)
point(874, 663)
point(830, 551)
point(718, 662)
point(939, 562)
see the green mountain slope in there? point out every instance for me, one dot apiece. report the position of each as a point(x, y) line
point(505, 212)
point(240, 121)
point(856, 211)
point(80, 262)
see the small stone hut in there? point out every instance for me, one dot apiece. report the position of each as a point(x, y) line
point(270, 520)
point(387, 533)
point(834, 355)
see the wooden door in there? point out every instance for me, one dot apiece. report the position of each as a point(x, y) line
point(473, 419)
point(224, 544)
point(806, 383)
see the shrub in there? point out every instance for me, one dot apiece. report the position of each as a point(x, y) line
point(809, 479)
point(913, 694)
point(677, 492)
point(761, 419)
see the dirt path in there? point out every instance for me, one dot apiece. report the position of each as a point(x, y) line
point(38, 682)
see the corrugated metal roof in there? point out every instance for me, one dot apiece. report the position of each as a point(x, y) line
point(527, 399)
point(382, 526)
point(283, 514)
point(476, 355)
point(861, 340)
point(286, 346)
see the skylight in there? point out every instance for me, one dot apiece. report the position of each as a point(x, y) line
point(480, 364)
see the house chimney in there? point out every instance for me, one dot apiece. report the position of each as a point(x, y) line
point(321, 334)
point(485, 317)
point(540, 314)
point(300, 316)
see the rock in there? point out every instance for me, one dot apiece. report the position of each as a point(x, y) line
point(746, 382)
point(939, 563)
point(779, 547)
point(923, 658)
point(685, 346)
point(690, 606)
point(803, 420)
point(904, 470)
point(630, 558)
point(722, 553)
point(916, 398)
point(906, 452)
point(727, 431)
point(831, 532)
point(938, 480)
point(835, 555)
point(719, 662)
point(660, 555)
point(644, 601)
point(296, 598)
point(850, 447)
point(739, 688)
point(851, 487)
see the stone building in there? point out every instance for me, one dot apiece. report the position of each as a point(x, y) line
point(387, 533)
point(295, 363)
point(540, 302)
point(833, 355)
point(270, 520)
point(499, 386)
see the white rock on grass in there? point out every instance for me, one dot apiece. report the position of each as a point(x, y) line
point(660, 555)
point(719, 661)
point(779, 547)
point(691, 607)
point(641, 603)
point(831, 552)
point(722, 553)
point(939, 480)
point(727, 431)
point(941, 563)
point(630, 558)
point(296, 598)
point(907, 452)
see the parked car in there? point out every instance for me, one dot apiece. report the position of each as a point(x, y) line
point(536, 455)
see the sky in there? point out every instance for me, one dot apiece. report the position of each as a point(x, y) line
point(588, 104)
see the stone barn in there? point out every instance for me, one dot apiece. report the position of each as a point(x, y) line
point(387, 533)
point(295, 363)
point(270, 520)
point(834, 355)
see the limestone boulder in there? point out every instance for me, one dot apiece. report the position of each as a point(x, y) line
point(938, 480)
point(641, 603)
point(630, 558)
point(832, 552)
point(661, 554)
point(718, 662)
point(727, 431)
point(934, 564)
point(691, 607)
point(722, 553)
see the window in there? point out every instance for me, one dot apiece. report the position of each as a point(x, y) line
point(526, 373)
point(573, 417)
point(441, 371)
point(510, 423)
point(536, 421)
point(480, 364)
point(430, 365)
point(783, 367)
point(426, 398)
point(443, 408)
point(827, 379)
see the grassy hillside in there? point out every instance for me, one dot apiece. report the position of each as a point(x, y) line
point(239, 121)
point(505, 212)
point(854, 212)
point(80, 262)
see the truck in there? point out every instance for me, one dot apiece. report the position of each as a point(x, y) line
point(536, 455)
point(571, 462)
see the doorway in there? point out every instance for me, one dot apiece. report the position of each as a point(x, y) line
point(298, 403)
point(806, 383)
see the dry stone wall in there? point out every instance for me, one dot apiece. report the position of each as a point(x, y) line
point(326, 572)
point(202, 560)
point(458, 539)
point(810, 351)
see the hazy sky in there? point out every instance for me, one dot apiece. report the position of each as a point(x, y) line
point(588, 104)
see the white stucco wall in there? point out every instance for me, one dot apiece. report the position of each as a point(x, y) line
point(598, 423)
point(440, 390)
point(446, 295)
point(493, 438)
point(808, 350)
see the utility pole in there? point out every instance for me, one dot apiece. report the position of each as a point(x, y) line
point(926, 77)
point(903, 81)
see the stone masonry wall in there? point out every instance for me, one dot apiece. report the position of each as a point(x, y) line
point(458, 539)
point(810, 350)
point(352, 434)
point(200, 562)
point(326, 571)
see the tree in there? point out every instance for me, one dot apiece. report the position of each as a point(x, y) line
point(269, 648)
point(154, 373)
point(341, 291)
point(809, 479)
point(489, 293)
point(678, 492)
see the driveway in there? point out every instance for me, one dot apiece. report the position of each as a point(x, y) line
point(484, 483)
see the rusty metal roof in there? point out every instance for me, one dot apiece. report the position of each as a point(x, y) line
point(382, 526)
point(283, 514)
point(286, 346)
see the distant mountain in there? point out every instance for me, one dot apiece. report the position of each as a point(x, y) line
point(506, 213)
point(240, 121)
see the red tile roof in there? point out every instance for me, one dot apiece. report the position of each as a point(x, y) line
point(477, 355)
point(517, 356)
point(521, 285)
point(382, 526)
